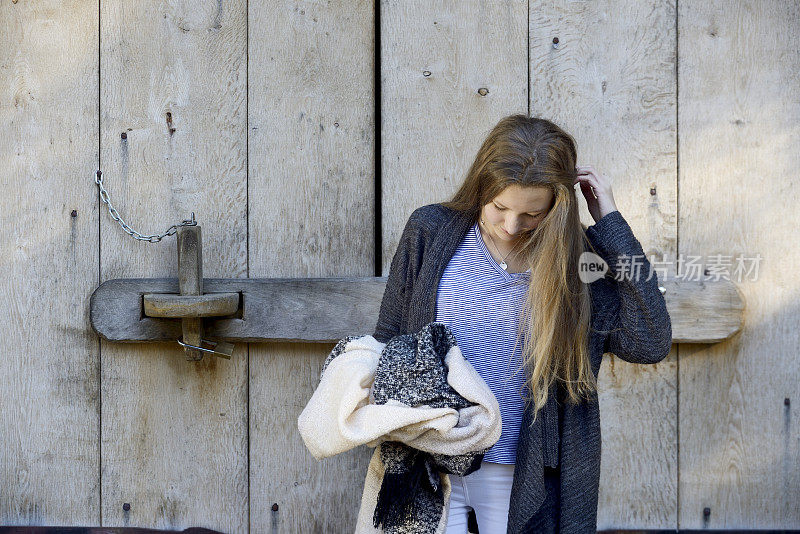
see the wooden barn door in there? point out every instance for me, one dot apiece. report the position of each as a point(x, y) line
point(272, 123)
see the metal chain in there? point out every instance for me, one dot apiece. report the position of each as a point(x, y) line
point(133, 233)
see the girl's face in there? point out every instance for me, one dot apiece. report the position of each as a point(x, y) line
point(515, 211)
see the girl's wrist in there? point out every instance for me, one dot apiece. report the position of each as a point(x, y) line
point(605, 210)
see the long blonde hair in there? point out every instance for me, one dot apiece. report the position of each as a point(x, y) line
point(555, 320)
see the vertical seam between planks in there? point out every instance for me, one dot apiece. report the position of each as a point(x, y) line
point(247, 220)
point(378, 202)
point(677, 248)
point(99, 278)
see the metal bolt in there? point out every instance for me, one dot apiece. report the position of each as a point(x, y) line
point(124, 135)
point(126, 506)
point(426, 73)
point(555, 43)
point(706, 512)
point(786, 401)
point(483, 91)
point(275, 507)
point(652, 190)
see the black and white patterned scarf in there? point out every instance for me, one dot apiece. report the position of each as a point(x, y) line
point(412, 370)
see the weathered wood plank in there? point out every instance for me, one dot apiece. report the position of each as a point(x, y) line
point(435, 60)
point(739, 106)
point(611, 83)
point(49, 395)
point(311, 194)
point(324, 310)
point(174, 81)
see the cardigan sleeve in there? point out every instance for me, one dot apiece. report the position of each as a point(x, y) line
point(399, 284)
point(641, 331)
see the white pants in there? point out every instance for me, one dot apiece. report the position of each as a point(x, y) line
point(487, 491)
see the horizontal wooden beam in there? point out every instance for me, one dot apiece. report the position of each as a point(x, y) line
point(313, 310)
point(324, 310)
point(703, 311)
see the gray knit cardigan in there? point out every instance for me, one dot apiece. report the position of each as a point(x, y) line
point(629, 319)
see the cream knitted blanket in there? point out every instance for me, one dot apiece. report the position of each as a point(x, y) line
point(340, 416)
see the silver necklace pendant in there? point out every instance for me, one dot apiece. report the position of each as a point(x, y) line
point(503, 263)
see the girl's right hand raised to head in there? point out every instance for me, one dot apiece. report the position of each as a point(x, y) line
point(596, 189)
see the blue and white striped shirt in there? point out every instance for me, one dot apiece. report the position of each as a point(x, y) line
point(480, 302)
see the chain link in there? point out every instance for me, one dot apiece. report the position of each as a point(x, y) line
point(133, 233)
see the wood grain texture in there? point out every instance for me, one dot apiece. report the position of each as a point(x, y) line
point(311, 176)
point(435, 59)
point(174, 433)
point(703, 310)
point(611, 83)
point(739, 112)
point(49, 394)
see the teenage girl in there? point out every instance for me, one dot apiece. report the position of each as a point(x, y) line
point(508, 291)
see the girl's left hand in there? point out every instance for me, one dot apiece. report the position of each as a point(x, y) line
point(596, 188)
